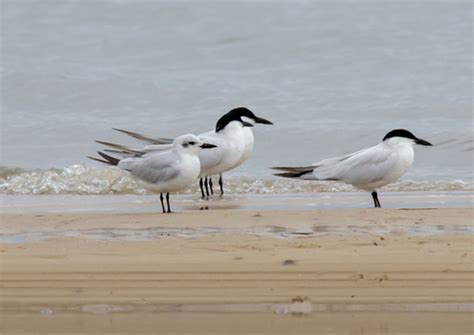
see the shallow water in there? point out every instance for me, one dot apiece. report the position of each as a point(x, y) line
point(148, 204)
point(333, 76)
point(156, 233)
point(245, 202)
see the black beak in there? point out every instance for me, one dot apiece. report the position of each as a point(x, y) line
point(422, 142)
point(246, 124)
point(208, 146)
point(261, 120)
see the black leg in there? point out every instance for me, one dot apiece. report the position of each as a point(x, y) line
point(206, 185)
point(376, 199)
point(202, 188)
point(168, 202)
point(162, 203)
point(221, 185)
point(210, 186)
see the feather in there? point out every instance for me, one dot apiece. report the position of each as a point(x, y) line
point(145, 138)
point(122, 147)
point(110, 160)
point(295, 168)
point(98, 160)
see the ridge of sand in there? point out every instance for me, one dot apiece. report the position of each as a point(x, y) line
point(373, 271)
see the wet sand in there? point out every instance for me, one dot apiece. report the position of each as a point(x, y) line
point(332, 271)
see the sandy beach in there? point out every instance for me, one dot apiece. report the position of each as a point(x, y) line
point(333, 271)
point(84, 247)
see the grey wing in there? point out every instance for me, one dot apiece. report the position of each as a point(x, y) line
point(156, 168)
point(121, 149)
point(324, 169)
point(129, 151)
point(365, 166)
point(335, 160)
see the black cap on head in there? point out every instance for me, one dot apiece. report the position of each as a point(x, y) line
point(233, 115)
point(399, 133)
point(405, 133)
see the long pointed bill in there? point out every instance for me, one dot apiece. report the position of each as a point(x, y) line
point(262, 120)
point(422, 142)
point(208, 146)
point(247, 124)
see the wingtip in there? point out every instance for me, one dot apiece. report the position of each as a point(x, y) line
point(287, 168)
point(105, 143)
point(98, 160)
point(278, 168)
point(284, 175)
point(120, 130)
point(111, 160)
point(140, 137)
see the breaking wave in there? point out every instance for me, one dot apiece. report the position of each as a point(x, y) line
point(79, 179)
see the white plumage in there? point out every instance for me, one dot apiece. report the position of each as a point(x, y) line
point(367, 169)
point(233, 138)
point(227, 154)
point(162, 168)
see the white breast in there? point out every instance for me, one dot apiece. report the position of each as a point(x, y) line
point(248, 145)
point(226, 156)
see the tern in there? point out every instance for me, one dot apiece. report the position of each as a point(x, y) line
point(161, 168)
point(234, 139)
point(237, 145)
point(367, 169)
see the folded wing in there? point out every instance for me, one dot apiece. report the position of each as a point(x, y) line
point(361, 167)
point(156, 168)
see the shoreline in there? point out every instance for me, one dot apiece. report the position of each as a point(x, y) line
point(240, 202)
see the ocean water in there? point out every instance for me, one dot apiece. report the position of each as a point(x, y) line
point(333, 76)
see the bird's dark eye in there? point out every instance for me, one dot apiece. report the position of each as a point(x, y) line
point(192, 143)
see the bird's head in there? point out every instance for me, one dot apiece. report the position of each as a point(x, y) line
point(404, 136)
point(242, 115)
point(190, 143)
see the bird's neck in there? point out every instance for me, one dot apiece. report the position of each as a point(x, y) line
point(248, 134)
point(232, 129)
point(404, 150)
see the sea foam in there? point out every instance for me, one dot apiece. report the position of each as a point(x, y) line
point(82, 180)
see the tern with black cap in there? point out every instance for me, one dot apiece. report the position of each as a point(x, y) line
point(368, 169)
point(239, 146)
point(234, 139)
